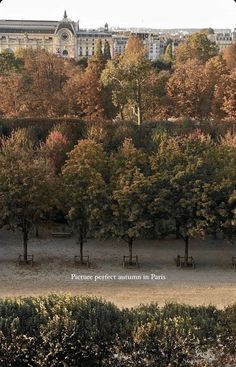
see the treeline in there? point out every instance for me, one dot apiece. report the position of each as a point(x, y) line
point(196, 82)
point(59, 331)
point(119, 181)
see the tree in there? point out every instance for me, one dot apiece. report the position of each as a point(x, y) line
point(180, 166)
point(93, 98)
point(156, 102)
point(168, 54)
point(220, 204)
point(107, 51)
point(229, 55)
point(71, 90)
point(84, 175)
point(12, 95)
point(35, 88)
point(113, 77)
point(208, 31)
point(45, 75)
point(215, 69)
point(98, 49)
point(225, 96)
point(55, 149)
point(197, 46)
point(128, 76)
point(192, 88)
point(129, 197)
point(187, 89)
point(9, 63)
point(26, 185)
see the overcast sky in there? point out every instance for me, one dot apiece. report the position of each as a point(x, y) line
point(125, 13)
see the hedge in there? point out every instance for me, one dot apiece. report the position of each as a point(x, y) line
point(61, 330)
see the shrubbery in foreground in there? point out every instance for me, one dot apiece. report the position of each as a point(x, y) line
point(74, 331)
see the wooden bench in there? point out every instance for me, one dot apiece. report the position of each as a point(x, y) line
point(85, 261)
point(126, 261)
point(30, 260)
point(61, 234)
point(234, 262)
point(181, 261)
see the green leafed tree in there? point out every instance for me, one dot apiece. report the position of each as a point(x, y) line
point(180, 163)
point(9, 63)
point(107, 50)
point(129, 195)
point(168, 54)
point(84, 175)
point(27, 185)
point(220, 204)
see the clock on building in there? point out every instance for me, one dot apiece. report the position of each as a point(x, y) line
point(65, 36)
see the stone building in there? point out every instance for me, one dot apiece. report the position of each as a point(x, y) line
point(63, 38)
point(223, 39)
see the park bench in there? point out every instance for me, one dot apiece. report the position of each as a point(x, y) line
point(85, 261)
point(181, 261)
point(61, 234)
point(234, 262)
point(30, 260)
point(126, 261)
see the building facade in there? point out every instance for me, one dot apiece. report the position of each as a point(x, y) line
point(223, 39)
point(65, 38)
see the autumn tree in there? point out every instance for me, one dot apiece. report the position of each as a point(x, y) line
point(12, 95)
point(156, 101)
point(187, 89)
point(197, 46)
point(71, 89)
point(129, 195)
point(84, 175)
point(229, 55)
point(192, 88)
point(215, 68)
point(225, 96)
point(45, 75)
point(26, 185)
point(128, 77)
point(55, 149)
point(93, 99)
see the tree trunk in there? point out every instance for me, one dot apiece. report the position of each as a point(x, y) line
point(25, 241)
point(36, 231)
point(81, 244)
point(121, 113)
point(139, 116)
point(139, 110)
point(130, 251)
point(214, 235)
point(186, 249)
point(177, 229)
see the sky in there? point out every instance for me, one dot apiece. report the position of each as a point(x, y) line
point(127, 13)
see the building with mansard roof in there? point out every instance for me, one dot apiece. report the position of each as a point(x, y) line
point(65, 38)
point(62, 38)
